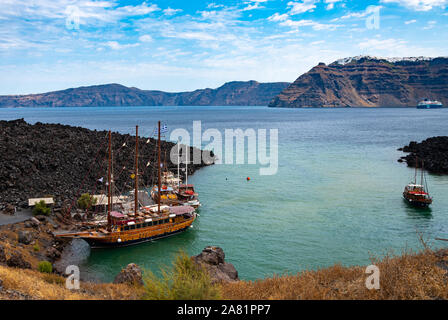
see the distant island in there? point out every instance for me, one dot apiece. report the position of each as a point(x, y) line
point(361, 81)
point(236, 93)
point(365, 81)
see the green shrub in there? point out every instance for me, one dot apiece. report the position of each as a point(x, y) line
point(45, 267)
point(86, 201)
point(41, 209)
point(36, 247)
point(185, 280)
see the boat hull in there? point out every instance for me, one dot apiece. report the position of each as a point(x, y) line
point(417, 203)
point(101, 238)
point(429, 106)
point(98, 244)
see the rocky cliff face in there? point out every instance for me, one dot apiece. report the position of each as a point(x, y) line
point(368, 82)
point(236, 93)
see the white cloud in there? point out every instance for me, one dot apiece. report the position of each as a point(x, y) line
point(302, 6)
point(214, 6)
point(117, 46)
point(354, 15)
point(253, 6)
point(410, 21)
point(430, 25)
point(88, 11)
point(331, 3)
point(382, 44)
point(171, 12)
point(141, 9)
point(308, 23)
point(145, 38)
point(278, 17)
point(419, 5)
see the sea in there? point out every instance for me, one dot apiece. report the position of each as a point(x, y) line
point(336, 197)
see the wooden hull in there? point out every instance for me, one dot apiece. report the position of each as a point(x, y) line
point(104, 239)
point(98, 244)
point(421, 203)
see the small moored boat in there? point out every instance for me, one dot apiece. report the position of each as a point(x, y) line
point(417, 194)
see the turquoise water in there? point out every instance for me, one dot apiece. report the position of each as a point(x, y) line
point(335, 199)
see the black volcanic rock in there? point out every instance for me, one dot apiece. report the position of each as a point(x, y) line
point(237, 93)
point(433, 151)
point(368, 82)
point(62, 161)
point(213, 260)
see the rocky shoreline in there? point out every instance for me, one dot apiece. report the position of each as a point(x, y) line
point(59, 161)
point(433, 151)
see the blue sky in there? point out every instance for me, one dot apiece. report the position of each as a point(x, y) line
point(178, 45)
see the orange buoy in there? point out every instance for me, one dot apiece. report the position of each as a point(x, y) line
point(248, 178)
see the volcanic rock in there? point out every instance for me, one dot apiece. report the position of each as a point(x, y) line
point(34, 222)
point(2, 254)
point(212, 258)
point(53, 254)
point(16, 260)
point(9, 209)
point(432, 151)
point(132, 274)
point(365, 81)
point(41, 218)
point(25, 237)
point(63, 161)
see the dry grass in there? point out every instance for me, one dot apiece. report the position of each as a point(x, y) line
point(35, 285)
point(185, 280)
point(410, 276)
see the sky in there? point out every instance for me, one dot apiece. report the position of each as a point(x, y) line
point(179, 45)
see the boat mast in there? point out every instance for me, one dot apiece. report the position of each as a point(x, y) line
point(178, 163)
point(158, 171)
point(422, 176)
point(186, 166)
point(415, 173)
point(109, 187)
point(136, 171)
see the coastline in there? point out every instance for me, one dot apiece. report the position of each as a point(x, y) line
point(47, 159)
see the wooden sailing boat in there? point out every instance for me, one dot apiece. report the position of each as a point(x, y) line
point(173, 192)
point(144, 223)
point(417, 194)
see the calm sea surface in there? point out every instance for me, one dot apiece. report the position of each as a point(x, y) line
point(335, 199)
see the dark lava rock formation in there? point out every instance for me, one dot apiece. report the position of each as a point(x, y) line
point(64, 162)
point(132, 274)
point(237, 93)
point(368, 82)
point(212, 258)
point(433, 151)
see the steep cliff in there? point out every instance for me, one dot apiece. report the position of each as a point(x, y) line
point(235, 93)
point(368, 82)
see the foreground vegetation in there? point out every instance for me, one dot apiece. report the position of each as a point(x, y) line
point(30, 284)
point(409, 276)
point(185, 280)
